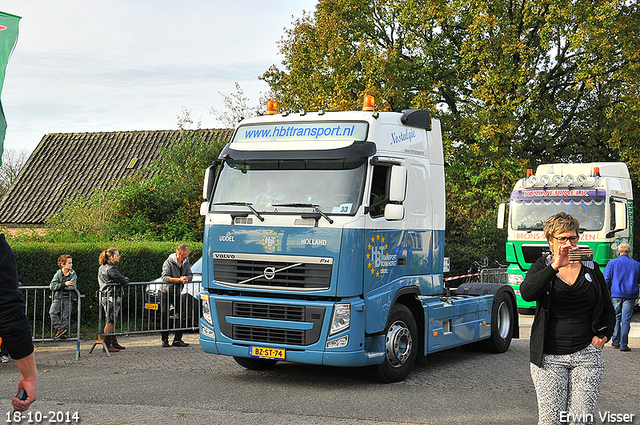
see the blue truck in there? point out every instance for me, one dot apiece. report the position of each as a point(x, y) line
point(324, 244)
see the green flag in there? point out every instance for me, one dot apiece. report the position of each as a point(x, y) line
point(8, 37)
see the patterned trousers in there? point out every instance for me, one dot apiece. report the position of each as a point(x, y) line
point(568, 386)
point(111, 302)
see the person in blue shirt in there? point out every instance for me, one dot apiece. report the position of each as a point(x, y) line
point(623, 278)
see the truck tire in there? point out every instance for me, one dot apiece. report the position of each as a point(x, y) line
point(401, 346)
point(255, 364)
point(502, 322)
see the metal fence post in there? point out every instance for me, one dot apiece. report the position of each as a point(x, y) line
point(100, 327)
point(37, 311)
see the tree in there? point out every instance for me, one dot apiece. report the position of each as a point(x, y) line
point(235, 108)
point(515, 83)
point(12, 163)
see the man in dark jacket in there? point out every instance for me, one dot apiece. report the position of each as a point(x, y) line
point(623, 277)
point(176, 271)
point(14, 327)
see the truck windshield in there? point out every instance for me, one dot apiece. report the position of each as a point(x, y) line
point(294, 186)
point(529, 211)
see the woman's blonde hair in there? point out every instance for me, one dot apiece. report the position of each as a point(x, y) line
point(560, 223)
point(106, 255)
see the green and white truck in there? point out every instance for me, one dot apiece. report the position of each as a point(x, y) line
point(598, 194)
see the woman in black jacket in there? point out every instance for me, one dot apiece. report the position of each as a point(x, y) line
point(574, 319)
point(111, 281)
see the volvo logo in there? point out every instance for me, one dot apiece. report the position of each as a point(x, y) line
point(269, 273)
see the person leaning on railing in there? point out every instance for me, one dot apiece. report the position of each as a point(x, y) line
point(176, 271)
point(111, 281)
point(63, 287)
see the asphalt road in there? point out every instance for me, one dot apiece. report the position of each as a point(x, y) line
point(150, 384)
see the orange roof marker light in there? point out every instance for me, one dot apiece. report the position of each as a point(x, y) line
point(596, 171)
point(369, 103)
point(272, 107)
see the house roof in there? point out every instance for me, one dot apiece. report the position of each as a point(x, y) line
point(64, 165)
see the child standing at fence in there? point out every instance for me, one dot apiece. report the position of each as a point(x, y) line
point(63, 286)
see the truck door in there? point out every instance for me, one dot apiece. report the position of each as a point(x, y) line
point(383, 237)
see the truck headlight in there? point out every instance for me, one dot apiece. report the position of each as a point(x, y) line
point(205, 308)
point(515, 279)
point(341, 318)
point(343, 341)
point(207, 331)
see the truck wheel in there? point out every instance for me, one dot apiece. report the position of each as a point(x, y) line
point(401, 344)
point(255, 364)
point(502, 322)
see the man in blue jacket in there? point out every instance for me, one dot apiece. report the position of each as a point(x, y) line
point(623, 277)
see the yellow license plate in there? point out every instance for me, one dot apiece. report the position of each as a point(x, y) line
point(151, 306)
point(267, 353)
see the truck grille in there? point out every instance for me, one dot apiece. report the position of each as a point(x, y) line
point(227, 310)
point(531, 253)
point(274, 336)
point(276, 272)
point(269, 311)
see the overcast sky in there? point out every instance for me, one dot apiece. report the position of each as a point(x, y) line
point(110, 65)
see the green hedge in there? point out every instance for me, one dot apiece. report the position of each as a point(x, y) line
point(139, 261)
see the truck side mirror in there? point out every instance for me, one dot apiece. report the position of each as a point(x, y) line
point(209, 178)
point(501, 211)
point(619, 211)
point(393, 212)
point(204, 208)
point(397, 184)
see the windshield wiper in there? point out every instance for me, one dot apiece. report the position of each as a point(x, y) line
point(315, 207)
point(246, 204)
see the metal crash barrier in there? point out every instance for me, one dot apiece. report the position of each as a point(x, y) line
point(494, 275)
point(146, 307)
point(455, 281)
point(38, 300)
point(484, 275)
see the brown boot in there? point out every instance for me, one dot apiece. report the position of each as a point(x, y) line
point(110, 328)
point(108, 339)
point(114, 344)
point(108, 342)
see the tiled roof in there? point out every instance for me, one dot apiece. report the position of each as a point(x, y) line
point(66, 164)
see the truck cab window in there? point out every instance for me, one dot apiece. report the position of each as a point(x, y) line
point(290, 186)
point(379, 190)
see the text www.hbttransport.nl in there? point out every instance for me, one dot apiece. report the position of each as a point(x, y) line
point(295, 131)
